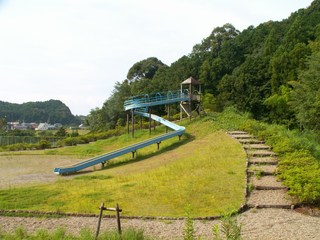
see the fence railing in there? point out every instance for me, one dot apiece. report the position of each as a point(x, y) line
point(10, 140)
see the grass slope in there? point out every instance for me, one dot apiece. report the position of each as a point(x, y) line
point(205, 170)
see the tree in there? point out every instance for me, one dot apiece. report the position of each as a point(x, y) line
point(249, 70)
point(305, 97)
point(3, 124)
point(215, 41)
point(144, 69)
point(61, 132)
point(286, 65)
point(278, 104)
point(247, 87)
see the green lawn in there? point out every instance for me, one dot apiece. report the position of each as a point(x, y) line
point(205, 170)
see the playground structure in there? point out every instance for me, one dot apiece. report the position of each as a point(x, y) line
point(141, 105)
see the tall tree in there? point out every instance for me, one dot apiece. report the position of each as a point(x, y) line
point(144, 69)
point(306, 95)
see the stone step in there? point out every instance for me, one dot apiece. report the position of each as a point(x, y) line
point(260, 187)
point(269, 198)
point(263, 160)
point(242, 136)
point(265, 170)
point(250, 141)
point(261, 153)
point(277, 206)
point(266, 183)
point(237, 133)
point(256, 146)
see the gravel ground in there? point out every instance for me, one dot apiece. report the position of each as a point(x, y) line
point(269, 197)
point(255, 224)
point(279, 224)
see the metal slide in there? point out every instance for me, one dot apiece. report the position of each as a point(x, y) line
point(139, 105)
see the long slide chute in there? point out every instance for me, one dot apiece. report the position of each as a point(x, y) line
point(138, 106)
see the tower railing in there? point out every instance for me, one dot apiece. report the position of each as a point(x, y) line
point(157, 98)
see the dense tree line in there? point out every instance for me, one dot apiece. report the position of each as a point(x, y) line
point(52, 111)
point(271, 71)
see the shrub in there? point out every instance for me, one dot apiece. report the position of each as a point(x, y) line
point(229, 229)
point(43, 144)
point(300, 171)
point(188, 231)
point(85, 234)
point(70, 141)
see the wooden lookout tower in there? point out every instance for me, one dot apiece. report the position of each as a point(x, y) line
point(193, 88)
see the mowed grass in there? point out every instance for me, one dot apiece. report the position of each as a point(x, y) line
point(206, 171)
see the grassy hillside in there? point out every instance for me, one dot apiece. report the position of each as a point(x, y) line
point(205, 170)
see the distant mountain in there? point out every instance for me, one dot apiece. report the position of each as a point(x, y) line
point(52, 111)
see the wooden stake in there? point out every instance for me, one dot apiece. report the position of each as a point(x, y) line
point(118, 210)
point(99, 221)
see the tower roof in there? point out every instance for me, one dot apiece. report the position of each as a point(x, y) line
point(191, 81)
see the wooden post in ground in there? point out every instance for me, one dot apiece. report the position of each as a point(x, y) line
point(118, 210)
point(99, 221)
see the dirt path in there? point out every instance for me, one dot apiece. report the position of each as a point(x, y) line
point(19, 170)
point(256, 224)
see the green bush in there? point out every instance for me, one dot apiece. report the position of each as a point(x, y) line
point(300, 171)
point(70, 141)
point(43, 144)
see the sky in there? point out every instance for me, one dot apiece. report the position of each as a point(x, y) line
point(76, 50)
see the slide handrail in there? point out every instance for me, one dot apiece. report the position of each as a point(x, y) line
point(156, 99)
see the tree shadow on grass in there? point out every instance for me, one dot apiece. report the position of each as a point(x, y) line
point(173, 146)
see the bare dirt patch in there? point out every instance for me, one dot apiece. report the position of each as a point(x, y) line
point(17, 170)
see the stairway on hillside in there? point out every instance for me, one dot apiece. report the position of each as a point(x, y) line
point(263, 188)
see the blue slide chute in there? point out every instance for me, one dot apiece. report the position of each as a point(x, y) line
point(139, 105)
